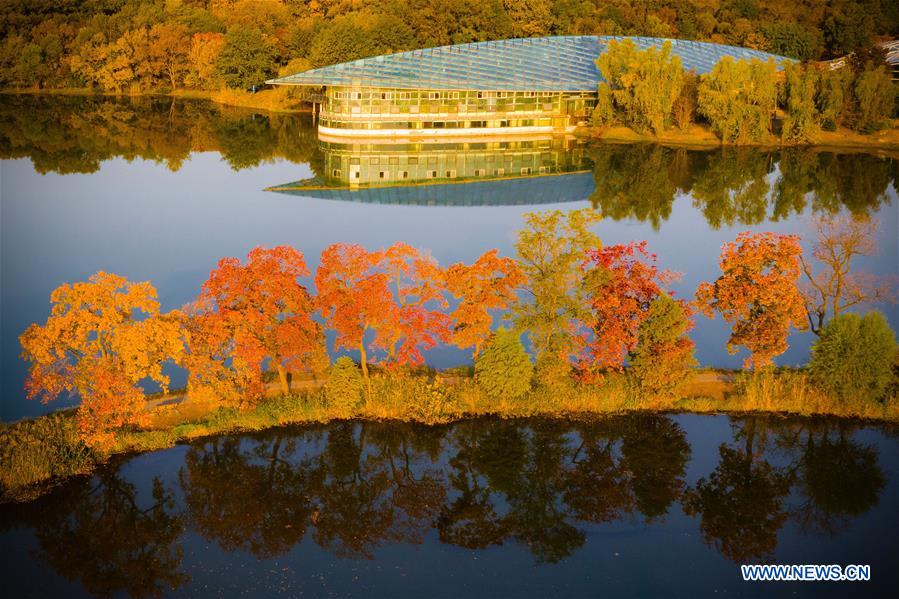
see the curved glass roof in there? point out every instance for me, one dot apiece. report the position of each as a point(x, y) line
point(563, 63)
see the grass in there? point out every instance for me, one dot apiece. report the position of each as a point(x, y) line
point(40, 452)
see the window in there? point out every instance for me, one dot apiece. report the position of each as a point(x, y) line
point(434, 96)
point(386, 95)
point(374, 160)
point(413, 160)
point(335, 173)
point(393, 160)
point(383, 175)
point(499, 171)
point(480, 172)
point(431, 174)
point(404, 174)
point(450, 174)
point(500, 94)
point(525, 170)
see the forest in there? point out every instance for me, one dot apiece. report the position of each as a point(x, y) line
point(135, 46)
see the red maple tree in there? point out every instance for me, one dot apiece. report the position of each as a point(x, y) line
point(487, 284)
point(257, 313)
point(622, 280)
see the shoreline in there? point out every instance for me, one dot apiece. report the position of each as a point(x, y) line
point(699, 137)
point(176, 419)
point(268, 100)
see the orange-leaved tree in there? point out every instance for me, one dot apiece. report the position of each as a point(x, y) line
point(622, 281)
point(418, 323)
point(487, 284)
point(258, 313)
point(353, 296)
point(757, 294)
point(102, 338)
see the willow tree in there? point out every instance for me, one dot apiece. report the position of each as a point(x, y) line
point(738, 97)
point(640, 86)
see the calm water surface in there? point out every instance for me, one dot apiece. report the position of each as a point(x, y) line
point(642, 505)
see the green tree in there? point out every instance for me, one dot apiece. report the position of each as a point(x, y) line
point(246, 58)
point(663, 360)
point(853, 358)
point(642, 84)
point(789, 38)
point(504, 370)
point(550, 251)
point(343, 391)
point(874, 96)
point(802, 120)
point(738, 97)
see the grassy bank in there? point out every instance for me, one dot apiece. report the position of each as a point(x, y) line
point(37, 454)
point(272, 100)
point(700, 136)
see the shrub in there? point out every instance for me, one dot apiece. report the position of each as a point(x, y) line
point(504, 370)
point(343, 391)
point(853, 358)
point(662, 362)
point(36, 450)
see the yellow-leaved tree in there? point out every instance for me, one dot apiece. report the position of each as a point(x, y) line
point(102, 338)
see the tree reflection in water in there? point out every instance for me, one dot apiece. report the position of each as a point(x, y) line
point(729, 186)
point(355, 487)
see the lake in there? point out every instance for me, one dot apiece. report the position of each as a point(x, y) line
point(159, 189)
point(637, 505)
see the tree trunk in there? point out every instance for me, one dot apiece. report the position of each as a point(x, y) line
point(364, 363)
point(282, 376)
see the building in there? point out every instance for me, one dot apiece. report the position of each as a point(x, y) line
point(417, 172)
point(516, 86)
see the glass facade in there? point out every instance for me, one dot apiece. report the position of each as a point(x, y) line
point(371, 165)
point(531, 85)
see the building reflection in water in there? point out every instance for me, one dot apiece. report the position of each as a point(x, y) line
point(475, 172)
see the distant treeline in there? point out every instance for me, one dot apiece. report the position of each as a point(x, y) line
point(139, 45)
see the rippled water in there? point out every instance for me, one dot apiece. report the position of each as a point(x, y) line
point(638, 505)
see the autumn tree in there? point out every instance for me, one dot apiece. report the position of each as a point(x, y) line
point(551, 250)
point(397, 293)
point(757, 294)
point(802, 120)
point(265, 314)
point(168, 52)
point(103, 337)
point(738, 98)
point(662, 361)
point(353, 296)
point(642, 85)
point(622, 281)
point(202, 55)
point(419, 323)
point(488, 284)
point(839, 239)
